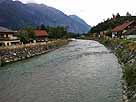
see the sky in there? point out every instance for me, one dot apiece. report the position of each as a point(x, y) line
point(92, 11)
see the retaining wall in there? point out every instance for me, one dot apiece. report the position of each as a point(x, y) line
point(21, 52)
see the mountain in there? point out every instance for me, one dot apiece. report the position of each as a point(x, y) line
point(80, 21)
point(16, 15)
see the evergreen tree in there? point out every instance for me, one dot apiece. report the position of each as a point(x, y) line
point(128, 14)
point(42, 27)
point(118, 15)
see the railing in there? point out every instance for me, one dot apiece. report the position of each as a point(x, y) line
point(8, 39)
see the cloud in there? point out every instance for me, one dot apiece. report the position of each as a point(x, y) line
point(28, 1)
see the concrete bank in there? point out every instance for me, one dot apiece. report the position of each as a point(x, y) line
point(126, 52)
point(21, 52)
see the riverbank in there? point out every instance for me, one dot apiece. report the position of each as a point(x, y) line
point(125, 50)
point(16, 53)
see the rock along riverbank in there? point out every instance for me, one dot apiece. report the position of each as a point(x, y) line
point(21, 52)
point(125, 50)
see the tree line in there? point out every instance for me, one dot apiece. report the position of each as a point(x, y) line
point(27, 34)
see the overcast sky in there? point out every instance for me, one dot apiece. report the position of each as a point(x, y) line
point(92, 11)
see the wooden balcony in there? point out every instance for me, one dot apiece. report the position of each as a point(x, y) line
point(8, 39)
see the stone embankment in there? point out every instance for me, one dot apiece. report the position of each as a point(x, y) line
point(125, 50)
point(21, 52)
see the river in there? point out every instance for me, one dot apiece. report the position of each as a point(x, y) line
point(82, 71)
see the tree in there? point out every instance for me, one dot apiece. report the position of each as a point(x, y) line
point(57, 32)
point(128, 14)
point(113, 16)
point(42, 27)
point(31, 33)
point(118, 15)
point(24, 37)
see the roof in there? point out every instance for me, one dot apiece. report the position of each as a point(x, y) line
point(122, 26)
point(40, 33)
point(6, 30)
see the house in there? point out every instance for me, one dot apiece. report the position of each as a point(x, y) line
point(119, 30)
point(8, 37)
point(41, 35)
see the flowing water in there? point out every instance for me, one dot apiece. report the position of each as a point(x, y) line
point(82, 71)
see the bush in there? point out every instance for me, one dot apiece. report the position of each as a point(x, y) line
point(130, 74)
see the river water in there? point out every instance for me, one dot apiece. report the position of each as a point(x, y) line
point(82, 71)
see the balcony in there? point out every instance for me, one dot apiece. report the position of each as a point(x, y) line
point(8, 39)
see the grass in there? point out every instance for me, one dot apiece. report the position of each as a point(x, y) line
point(130, 74)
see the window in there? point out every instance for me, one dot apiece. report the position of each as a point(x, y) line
point(1, 35)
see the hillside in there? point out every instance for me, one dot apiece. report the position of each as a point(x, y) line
point(111, 23)
point(16, 15)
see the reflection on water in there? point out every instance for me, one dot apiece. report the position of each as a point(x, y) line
point(83, 71)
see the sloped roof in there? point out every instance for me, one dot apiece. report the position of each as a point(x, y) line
point(122, 26)
point(40, 33)
point(6, 30)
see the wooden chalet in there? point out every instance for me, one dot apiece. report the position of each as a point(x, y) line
point(8, 37)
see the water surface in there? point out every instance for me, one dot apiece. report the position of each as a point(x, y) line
point(82, 71)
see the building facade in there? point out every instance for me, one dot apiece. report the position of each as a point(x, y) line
point(8, 37)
